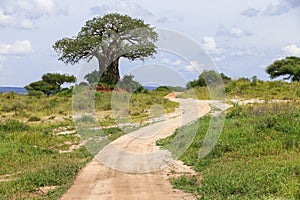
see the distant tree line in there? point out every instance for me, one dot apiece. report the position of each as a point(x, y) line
point(288, 67)
point(51, 83)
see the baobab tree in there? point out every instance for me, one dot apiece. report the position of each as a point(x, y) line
point(108, 39)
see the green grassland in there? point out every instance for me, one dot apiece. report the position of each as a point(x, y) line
point(256, 157)
point(258, 153)
point(30, 159)
point(247, 89)
point(58, 107)
point(31, 149)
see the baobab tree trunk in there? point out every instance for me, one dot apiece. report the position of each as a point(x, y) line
point(111, 74)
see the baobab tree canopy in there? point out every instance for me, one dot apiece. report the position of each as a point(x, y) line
point(109, 38)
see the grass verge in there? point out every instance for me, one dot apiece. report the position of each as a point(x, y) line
point(31, 159)
point(257, 155)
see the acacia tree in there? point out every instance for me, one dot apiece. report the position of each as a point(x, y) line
point(288, 67)
point(50, 83)
point(109, 38)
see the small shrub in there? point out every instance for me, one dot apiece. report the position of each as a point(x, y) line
point(265, 122)
point(34, 119)
point(298, 93)
point(13, 106)
point(86, 119)
point(10, 95)
point(236, 110)
point(35, 93)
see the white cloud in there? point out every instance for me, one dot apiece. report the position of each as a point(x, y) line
point(189, 68)
point(194, 66)
point(237, 53)
point(22, 14)
point(32, 8)
point(171, 62)
point(233, 32)
point(284, 6)
point(250, 12)
point(246, 52)
point(18, 48)
point(5, 20)
point(45, 5)
point(27, 24)
point(135, 10)
point(237, 32)
point(210, 45)
point(291, 50)
point(46, 8)
point(219, 58)
point(124, 8)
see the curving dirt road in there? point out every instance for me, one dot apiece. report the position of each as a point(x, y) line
point(138, 168)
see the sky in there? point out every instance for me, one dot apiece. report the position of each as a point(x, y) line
point(240, 37)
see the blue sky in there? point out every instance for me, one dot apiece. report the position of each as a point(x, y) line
point(241, 37)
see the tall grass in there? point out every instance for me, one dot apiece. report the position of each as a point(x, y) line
point(256, 157)
point(246, 89)
point(263, 89)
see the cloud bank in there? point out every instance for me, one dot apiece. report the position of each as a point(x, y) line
point(20, 47)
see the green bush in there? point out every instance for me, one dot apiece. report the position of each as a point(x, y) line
point(34, 119)
point(13, 126)
point(66, 92)
point(298, 93)
point(35, 93)
point(9, 95)
point(163, 88)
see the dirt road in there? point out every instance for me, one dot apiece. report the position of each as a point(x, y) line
point(138, 169)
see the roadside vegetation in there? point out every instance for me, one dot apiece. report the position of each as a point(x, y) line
point(245, 88)
point(58, 107)
point(40, 149)
point(256, 156)
point(31, 162)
